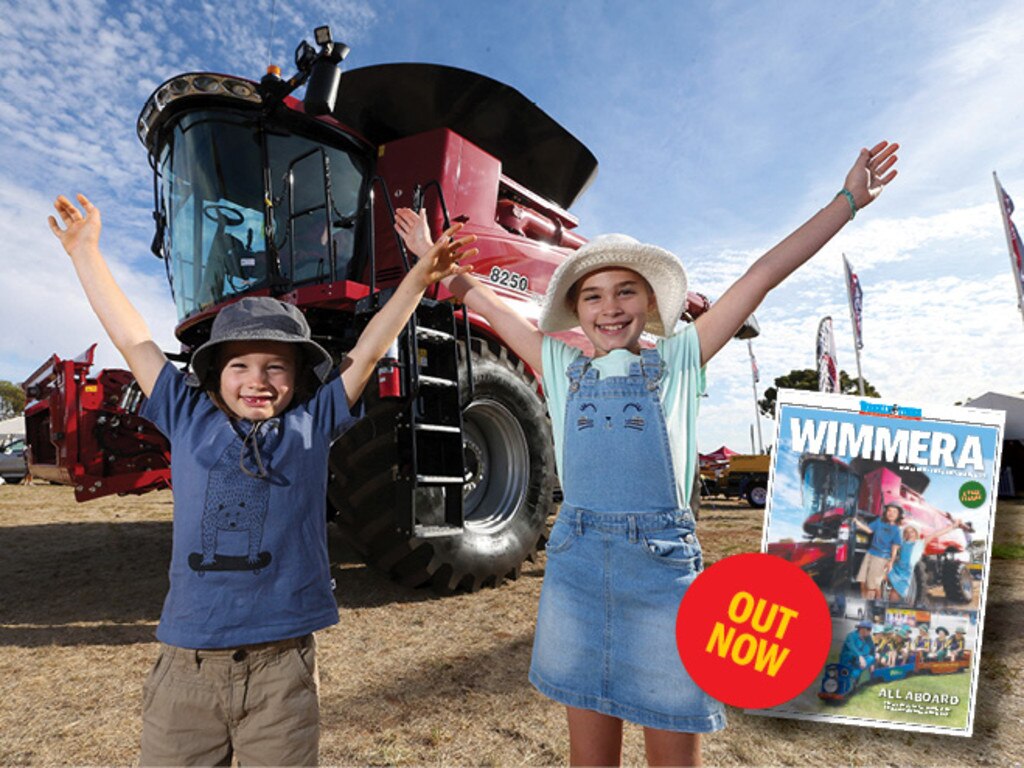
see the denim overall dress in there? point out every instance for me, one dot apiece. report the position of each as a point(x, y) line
point(620, 557)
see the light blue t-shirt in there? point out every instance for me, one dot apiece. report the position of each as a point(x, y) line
point(681, 387)
point(910, 555)
point(249, 560)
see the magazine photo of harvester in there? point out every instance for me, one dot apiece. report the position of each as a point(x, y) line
point(833, 492)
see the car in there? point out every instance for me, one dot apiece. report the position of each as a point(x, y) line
point(13, 467)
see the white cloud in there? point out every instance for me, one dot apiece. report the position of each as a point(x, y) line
point(44, 308)
point(71, 94)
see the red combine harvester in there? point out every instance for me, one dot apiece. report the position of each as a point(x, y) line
point(450, 477)
point(833, 492)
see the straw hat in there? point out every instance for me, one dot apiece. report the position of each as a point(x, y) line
point(662, 270)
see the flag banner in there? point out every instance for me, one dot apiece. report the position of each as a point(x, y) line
point(856, 298)
point(1013, 241)
point(890, 510)
point(825, 354)
point(753, 362)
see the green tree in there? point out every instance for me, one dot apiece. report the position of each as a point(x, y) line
point(12, 400)
point(807, 378)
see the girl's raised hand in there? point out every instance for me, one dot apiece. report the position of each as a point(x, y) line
point(414, 230)
point(442, 259)
point(79, 231)
point(872, 171)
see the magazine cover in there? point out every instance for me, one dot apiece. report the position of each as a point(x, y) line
point(890, 509)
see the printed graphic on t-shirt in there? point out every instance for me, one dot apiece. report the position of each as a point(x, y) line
point(234, 513)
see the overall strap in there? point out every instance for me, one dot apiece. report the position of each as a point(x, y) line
point(653, 368)
point(576, 370)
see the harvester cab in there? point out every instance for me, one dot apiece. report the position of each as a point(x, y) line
point(449, 478)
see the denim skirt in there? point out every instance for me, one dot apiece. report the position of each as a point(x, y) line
point(605, 638)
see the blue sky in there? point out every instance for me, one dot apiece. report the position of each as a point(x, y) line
point(719, 128)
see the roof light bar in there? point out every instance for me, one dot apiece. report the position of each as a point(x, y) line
point(192, 84)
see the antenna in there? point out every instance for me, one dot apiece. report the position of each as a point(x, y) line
point(270, 38)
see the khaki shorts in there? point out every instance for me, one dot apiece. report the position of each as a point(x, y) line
point(872, 571)
point(258, 704)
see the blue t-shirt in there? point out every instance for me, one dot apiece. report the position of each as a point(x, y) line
point(884, 536)
point(249, 559)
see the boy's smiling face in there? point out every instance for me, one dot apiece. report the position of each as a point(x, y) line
point(612, 306)
point(257, 378)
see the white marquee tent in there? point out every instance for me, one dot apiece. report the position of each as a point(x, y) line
point(1012, 404)
point(12, 427)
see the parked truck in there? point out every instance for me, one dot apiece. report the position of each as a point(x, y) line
point(743, 476)
point(449, 479)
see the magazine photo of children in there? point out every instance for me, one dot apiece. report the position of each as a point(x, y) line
point(890, 509)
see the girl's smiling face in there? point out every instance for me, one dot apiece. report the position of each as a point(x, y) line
point(257, 378)
point(612, 306)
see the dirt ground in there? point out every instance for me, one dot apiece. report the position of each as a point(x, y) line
point(407, 677)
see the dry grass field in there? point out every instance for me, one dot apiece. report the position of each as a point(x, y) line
point(407, 678)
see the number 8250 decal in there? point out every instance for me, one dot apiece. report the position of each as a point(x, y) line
point(512, 280)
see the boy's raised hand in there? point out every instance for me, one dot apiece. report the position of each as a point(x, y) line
point(872, 171)
point(442, 259)
point(79, 231)
point(414, 230)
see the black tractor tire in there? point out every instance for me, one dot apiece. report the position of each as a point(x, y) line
point(957, 582)
point(757, 494)
point(507, 497)
point(917, 588)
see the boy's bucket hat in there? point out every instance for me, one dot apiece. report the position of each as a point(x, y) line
point(662, 270)
point(261, 318)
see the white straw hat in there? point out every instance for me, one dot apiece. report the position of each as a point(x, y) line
point(662, 270)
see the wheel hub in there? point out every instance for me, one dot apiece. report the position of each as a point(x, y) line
point(497, 465)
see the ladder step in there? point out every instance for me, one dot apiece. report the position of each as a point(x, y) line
point(439, 479)
point(435, 531)
point(431, 334)
point(437, 428)
point(434, 381)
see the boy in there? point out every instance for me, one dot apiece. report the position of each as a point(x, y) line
point(881, 555)
point(250, 576)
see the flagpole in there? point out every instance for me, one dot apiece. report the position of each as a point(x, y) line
point(1009, 242)
point(853, 324)
point(757, 413)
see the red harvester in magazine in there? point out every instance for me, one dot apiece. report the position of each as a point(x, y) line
point(833, 491)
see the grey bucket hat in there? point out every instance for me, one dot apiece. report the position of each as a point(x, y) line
point(260, 318)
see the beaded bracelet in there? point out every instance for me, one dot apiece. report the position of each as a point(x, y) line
point(849, 198)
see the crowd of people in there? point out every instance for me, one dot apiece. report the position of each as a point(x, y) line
point(872, 645)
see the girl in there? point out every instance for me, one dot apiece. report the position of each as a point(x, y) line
point(911, 552)
point(623, 551)
point(250, 579)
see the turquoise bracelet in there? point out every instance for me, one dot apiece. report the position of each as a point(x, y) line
point(849, 198)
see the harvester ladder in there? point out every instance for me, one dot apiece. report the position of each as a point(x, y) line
point(431, 467)
point(431, 464)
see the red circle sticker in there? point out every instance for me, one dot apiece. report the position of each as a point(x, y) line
point(753, 631)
